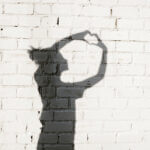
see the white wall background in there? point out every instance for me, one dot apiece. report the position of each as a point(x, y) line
point(115, 113)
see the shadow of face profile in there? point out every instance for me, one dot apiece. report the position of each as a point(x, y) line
point(58, 114)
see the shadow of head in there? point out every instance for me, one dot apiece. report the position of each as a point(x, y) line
point(49, 60)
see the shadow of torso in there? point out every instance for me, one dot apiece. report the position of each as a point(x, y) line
point(58, 98)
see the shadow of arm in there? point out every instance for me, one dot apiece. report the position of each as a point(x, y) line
point(101, 71)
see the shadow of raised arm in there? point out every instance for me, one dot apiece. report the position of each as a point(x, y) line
point(91, 81)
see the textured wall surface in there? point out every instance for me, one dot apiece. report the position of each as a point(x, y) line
point(113, 114)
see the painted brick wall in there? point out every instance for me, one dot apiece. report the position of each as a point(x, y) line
point(114, 114)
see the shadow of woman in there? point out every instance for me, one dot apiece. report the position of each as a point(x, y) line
point(58, 117)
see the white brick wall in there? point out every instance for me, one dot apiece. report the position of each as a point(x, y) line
point(112, 115)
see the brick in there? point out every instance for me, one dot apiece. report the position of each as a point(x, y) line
point(125, 12)
point(58, 147)
point(140, 103)
point(60, 9)
point(27, 92)
point(66, 138)
point(101, 138)
point(106, 23)
point(139, 35)
point(14, 127)
point(141, 81)
point(31, 124)
point(59, 103)
point(117, 126)
point(141, 58)
point(38, 56)
point(48, 92)
point(85, 103)
point(7, 92)
point(41, 80)
point(80, 138)
point(130, 137)
point(16, 56)
point(5, 46)
point(31, 146)
point(46, 138)
point(7, 116)
point(114, 103)
point(17, 80)
point(26, 69)
point(49, 21)
point(58, 127)
point(7, 138)
point(114, 35)
point(69, 92)
point(18, 9)
point(95, 11)
point(131, 70)
point(130, 24)
point(121, 81)
point(119, 58)
point(74, 22)
point(126, 115)
point(140, 146)
point(124, 58)
point(16, 104)
point(64, 115)
point(99, 92)
point(39, 33)
point(6, 20)
point(25, 44)
point(42, 9)
point(90, 126)
point(133, 92)
point(16, 32)
point(27, 116)
point(8, 68)
point(101, 115)
point(129, 46)
point(144, 12)
point(33, 21)
point(58, 33)
point(24, 138)
point(141, 125)
point(50, 68)
point(47, 115)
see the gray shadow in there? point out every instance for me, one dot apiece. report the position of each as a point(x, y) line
point(59, 113)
